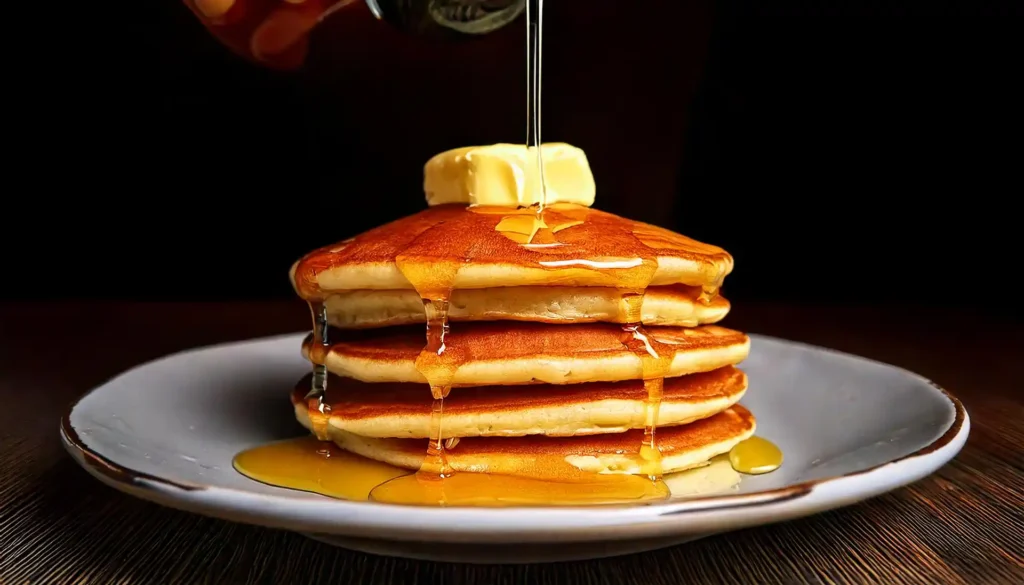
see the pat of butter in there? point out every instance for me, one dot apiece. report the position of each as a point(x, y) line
point(505, 175)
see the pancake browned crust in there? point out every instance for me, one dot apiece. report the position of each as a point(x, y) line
point(508, 353)
point(675, 305)
point(404, 410)
point(582, 247)
point(682, 447)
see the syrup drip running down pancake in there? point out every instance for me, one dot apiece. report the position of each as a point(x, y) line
point(404, 410)
point(509, 353)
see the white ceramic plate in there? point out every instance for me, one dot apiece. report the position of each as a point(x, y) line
point(166, 431)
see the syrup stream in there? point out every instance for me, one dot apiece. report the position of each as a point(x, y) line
point(535, 20)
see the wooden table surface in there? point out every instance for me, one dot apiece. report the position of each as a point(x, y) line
point(965, 524)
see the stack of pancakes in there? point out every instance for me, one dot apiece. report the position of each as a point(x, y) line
point(546, 380)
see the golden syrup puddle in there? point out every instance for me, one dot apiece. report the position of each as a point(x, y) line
point(491, 490)
point(755, 456)
point(309, 465)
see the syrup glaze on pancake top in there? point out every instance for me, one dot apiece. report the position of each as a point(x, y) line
point(518, 251)
point(458, 247)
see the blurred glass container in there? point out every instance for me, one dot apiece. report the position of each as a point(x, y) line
point(449, 19)
point(276, 32)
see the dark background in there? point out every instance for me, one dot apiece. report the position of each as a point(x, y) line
point(842, 151)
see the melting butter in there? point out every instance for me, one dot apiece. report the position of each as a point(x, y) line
point(755, 456)
point(504, 175)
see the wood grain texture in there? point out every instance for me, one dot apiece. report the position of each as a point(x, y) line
point(965, 524)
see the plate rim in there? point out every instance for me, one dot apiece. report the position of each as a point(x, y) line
point(237, 505)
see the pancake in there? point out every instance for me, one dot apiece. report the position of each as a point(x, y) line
point(509, 353)
point(663, 305)
point(404, 410)
point(454, 247)
point(682, 447)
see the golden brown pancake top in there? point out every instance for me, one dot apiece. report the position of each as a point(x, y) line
point(447, 237)
point(497, 341)
point(353, 399)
